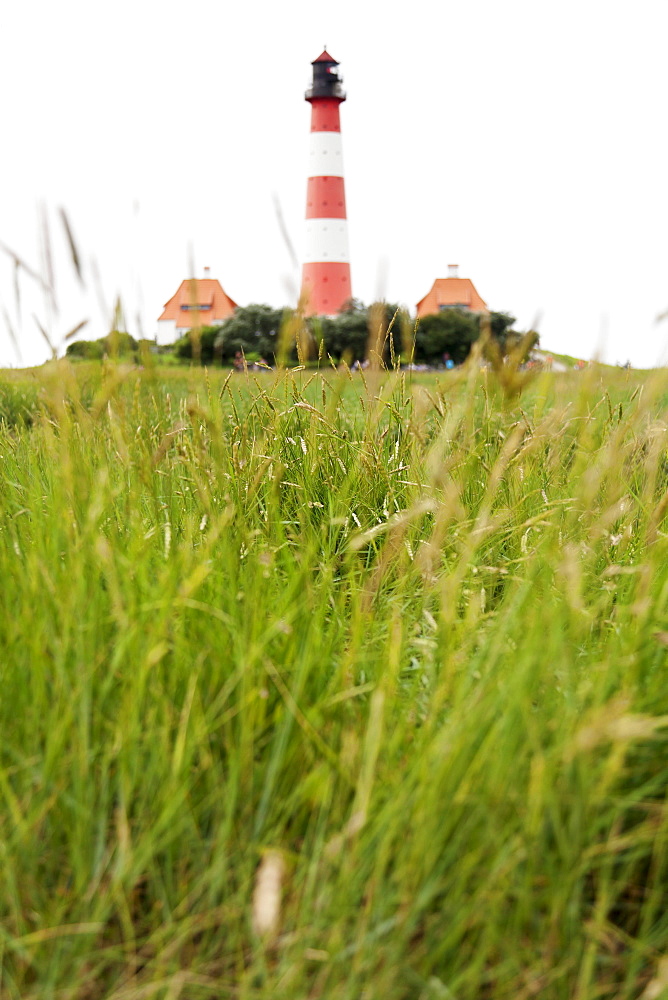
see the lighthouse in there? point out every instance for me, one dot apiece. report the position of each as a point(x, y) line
point(326, 270)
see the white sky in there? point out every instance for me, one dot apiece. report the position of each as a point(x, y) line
point(524, 140)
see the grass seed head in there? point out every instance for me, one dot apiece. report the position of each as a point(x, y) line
point(267, 894)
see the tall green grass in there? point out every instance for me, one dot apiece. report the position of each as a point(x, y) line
point(319, 685)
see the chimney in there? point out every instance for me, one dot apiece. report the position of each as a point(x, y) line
point(453, 270)
point(207, 272)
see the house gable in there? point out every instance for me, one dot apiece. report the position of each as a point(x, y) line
point(198, 302)
point(451, 293)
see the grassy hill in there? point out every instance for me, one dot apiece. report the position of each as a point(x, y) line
point(321, 685)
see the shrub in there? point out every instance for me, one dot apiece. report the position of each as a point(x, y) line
point(85, 350)
point(118, 344)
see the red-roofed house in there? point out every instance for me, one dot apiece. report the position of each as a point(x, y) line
point(198, 302)
point(452, 292)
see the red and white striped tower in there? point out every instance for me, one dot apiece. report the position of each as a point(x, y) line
point(326, 271)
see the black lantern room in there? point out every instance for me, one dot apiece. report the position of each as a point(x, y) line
point(326, 80)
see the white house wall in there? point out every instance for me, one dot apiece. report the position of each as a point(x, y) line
point(166, 333)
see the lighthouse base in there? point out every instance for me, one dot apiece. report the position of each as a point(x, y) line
point(326, 288)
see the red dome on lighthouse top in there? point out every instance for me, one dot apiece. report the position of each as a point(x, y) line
point(325, 57)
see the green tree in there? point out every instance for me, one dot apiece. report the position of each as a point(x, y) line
point(451, 331)
point(359, 329)
point(454, 331)
point(254, 329)
point(500, 325)
point(345, 335)
point(205, 337)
